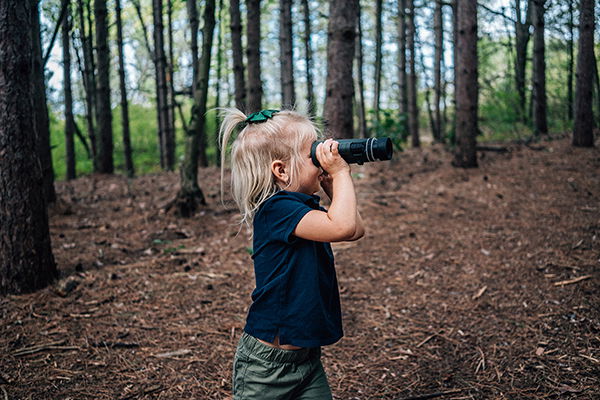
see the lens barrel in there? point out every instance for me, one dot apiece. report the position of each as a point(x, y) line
point(359, 151)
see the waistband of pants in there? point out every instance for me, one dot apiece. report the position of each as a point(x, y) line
point(252, 345)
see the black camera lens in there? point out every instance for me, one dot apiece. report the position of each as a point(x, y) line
point(359, 151)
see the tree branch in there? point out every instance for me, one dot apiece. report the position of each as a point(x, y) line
point(62, 14)
point(501, 14)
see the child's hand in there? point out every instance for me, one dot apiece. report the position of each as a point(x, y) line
point(330, 159)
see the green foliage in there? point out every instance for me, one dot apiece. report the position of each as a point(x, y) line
point(391, 124)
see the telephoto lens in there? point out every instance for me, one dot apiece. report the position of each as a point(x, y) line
point(359, 151)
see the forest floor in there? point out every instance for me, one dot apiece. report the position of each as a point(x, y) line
point(470, 284)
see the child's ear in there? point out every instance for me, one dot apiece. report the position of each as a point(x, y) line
point(278, 168)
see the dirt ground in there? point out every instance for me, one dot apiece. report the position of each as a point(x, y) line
point(470, 284)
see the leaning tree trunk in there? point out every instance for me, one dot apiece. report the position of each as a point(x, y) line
point(437, 71)
point(123, 88)
point(402, 80)
point(68, 94)
point(26, 260)
point(237, 54)
point(378, 57)
point(540, 121)
point(341, 32)
point(308, 57)
point(522, 36)
point(190, 196)
point(583, 134)
point(286, 49)
point(103, 108)
point(253, 55)
point(467, 89)
point(362, 114)
point(40, 107)
point(413, 109)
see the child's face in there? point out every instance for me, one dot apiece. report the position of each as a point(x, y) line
point(308, 179)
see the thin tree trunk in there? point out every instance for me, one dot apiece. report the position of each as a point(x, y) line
point(68, 94)
point(341, 32)
point(308, 56)
point(237, 54)
point(218, 83)
point(103, 109)
point(362, 114)
point(26, 260)
point(40, 106)
point(540, 122)
point(583, 134)
point(170, 72)
point(522, 36)
point(192, 10)
point(190, 196)
point(437, 68)
point(402, 78)
point(123, 89)
point(413, 110)
point(378, 57)
point(570, 62)
point(253, 55)
point(465, 155)
point(286, 50)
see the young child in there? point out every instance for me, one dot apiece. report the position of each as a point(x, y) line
point(295, 307)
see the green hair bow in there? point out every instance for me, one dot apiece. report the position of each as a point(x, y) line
point(260, 116)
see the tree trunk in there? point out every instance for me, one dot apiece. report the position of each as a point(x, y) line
point(402, 79)
point(103, 107)
point(170, 71)
point(192, 10)
point(583, 134)
point(413, 110)
point(308, 56)
point(286, 50)
point(123, 89)
point(540, 122)
point(160, 62)
point(522, 36)
point(378, 57)
point(467, 89)
point(190, 196)
point(341, 32)
point(218, 83)
point(69, 120)
point(362, 114)
point(26, 260)
point(253, 56)
point(89, 80)
point(40, 107)
point(237, 55)
point(570, 61)
point(437, 68)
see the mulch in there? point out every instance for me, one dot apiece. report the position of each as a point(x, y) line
point(470, 284)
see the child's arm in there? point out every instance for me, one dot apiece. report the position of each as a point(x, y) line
point(342, 221)
point(327, 185)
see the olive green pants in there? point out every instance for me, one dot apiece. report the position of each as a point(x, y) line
point(261, 372)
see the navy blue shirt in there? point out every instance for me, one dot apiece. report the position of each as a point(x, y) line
point(296, 295)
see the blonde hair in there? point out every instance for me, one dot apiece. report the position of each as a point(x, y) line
point(257, 145)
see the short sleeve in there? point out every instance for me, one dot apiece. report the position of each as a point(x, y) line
point(281, 215)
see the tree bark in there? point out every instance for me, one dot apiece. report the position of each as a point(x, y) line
point(26, 260)
point(378, 57)
point(402, 79)
point(237, 55)
point(123, 89)
point(68, 93)
point(465, 155)
point(341, 32)
point(286, 50)
point(522, 36)
point(190, 196)
point(308, 57)
point(103, 107)
point(437, 68)
point(570, 62)
point(192, 10)
point(160, 62)
point(218, 83)
point(253, 55)
point(583, 134)
point(413, 110)
point(362, 114)
point(40, 107)
point(540, 121)
point(170, 71)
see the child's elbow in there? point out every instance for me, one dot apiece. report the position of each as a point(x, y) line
point(358, 233)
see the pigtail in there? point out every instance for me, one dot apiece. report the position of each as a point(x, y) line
point(231, 118)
